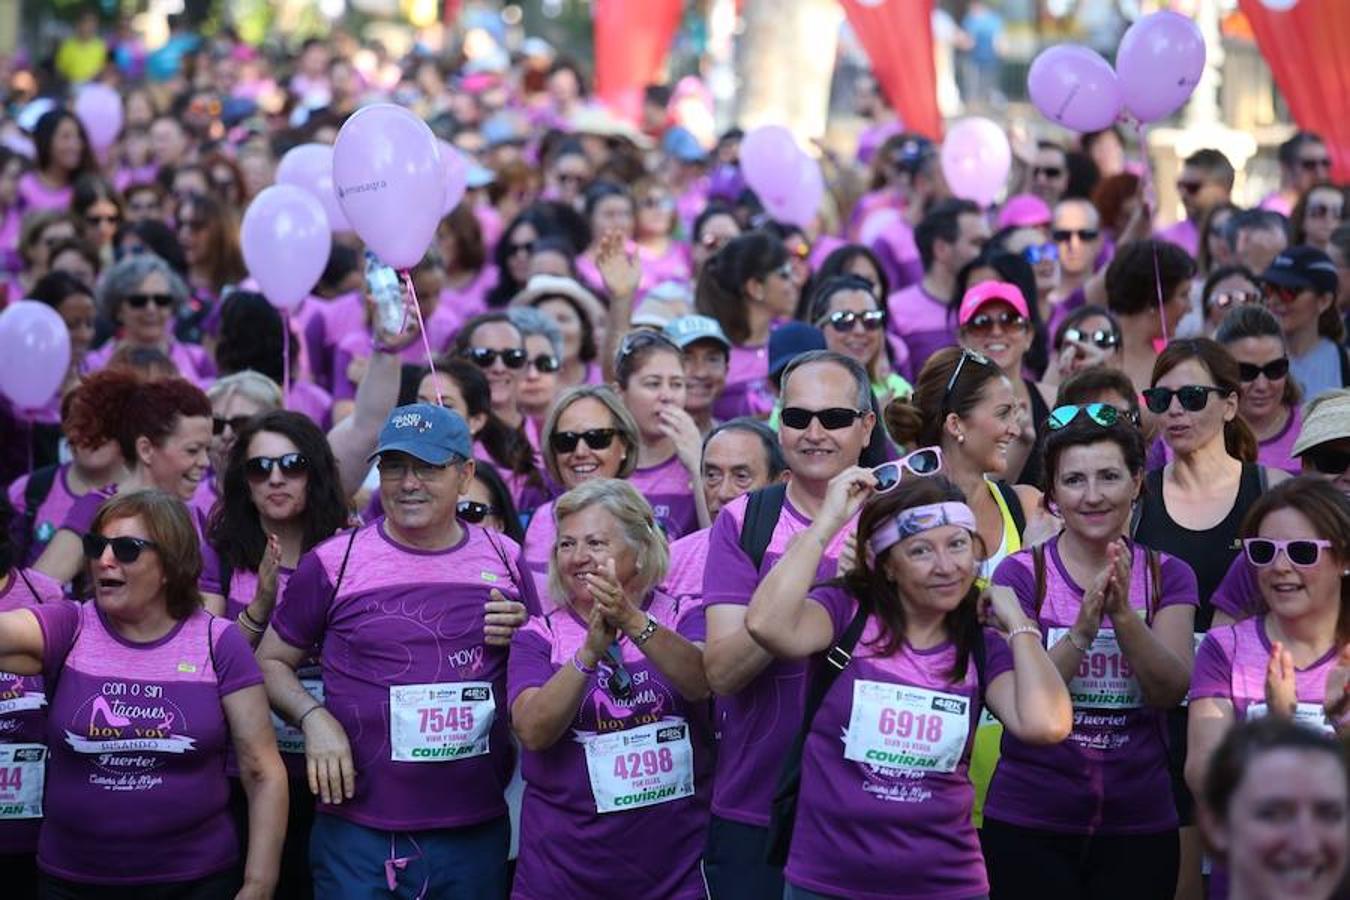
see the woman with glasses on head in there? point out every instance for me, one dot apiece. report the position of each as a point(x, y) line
point(1269, 401)
point(1093, 817)
point(209, 234)
point(492, 342)
point(608, 700)
point(847, 311)
point(234, 400)
point(1225, 289)
point(1318, 213)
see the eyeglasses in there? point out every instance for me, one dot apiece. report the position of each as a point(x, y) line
point(966, 354)
point(1313, 165)
point(234, 423)
point(1190, 187)
point(397, 470)
point(1303, 553)
point(1104, 340)
point(1064, 235)
point(984, 323)
point(292, 465)
point(484, 357)
point(615, 678)
point(125, 549)
point(832, 419)
point(1193, 397)
point(526, 247)
point(1043, 253)
point(1324, 211)
point(569, 178)
point(1227, 299)
point(113, 219)
point(475, 513)
point(1273, 370)
point(544, 363)
point(844, 320)
point(662, 203)
point(140, 301)
point(1328, 460)
point(1050, 172)
point(1103, 414)
point(922, 462)
point(596, 438)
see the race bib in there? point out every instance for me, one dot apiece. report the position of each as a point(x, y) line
point(642, 766)
point(897, 726)
point(1105, 678)
point(24, 702)
point(291, 739)
point(22, 771)
point(440, 722)
point(1310, 714)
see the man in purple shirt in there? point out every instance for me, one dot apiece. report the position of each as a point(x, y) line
point(408, 751)
point(1206, 180)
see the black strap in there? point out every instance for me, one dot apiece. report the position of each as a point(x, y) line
point(1014, 504)
point(820, 679)
point(342, 569)
point(1038, 568)
point(34, 495)
point(762, 510)
point(32, 590)
point(1263, 478)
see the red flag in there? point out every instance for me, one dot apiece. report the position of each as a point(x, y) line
point(631, 42)
point(1305, 49)
point(898, 38)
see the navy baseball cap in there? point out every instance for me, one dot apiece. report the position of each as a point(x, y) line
point(433, 434)
point(789, 341)
point(1302, 267)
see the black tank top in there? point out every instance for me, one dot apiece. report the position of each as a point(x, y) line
point(1033, 470)
point(1209, 552)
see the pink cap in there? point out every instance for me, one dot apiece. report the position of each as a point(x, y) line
point(987, 291)
point(1024, 211)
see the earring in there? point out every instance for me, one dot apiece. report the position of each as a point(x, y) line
point(960, 438)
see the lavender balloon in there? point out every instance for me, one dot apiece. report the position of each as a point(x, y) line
point(286, 241)
point(310, 167)
point(1159, 63)
point(1075, 87)
point(975, 160)
point(770, 161)
point(35, 345)
point(456, 171)
point(99, 109)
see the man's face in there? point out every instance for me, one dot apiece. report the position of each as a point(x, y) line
point(1050, 174)
point(734, 463)
point(1200, 190)
point(418, 496)
point(972, 232)
point(1076, 231)
point(814, 452)
point(1313, 165)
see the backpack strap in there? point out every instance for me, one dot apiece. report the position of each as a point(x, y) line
point(18, 570)
point(1014, 504)
point(342, 569)
point(34, 495)
point(762, 510)
point(1154, 584)
point(1038, 568)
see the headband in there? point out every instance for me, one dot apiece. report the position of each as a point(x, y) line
point(910, 522)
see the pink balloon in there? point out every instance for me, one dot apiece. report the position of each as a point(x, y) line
point(803, 204)
point(1159, 63)
point(456, 172)
point(975, 160)
point(1075, 87)
point(390, 182)
point(36, 345)
point(286, 241)
point(310, 167)
point(769, 162)
point(99, 109)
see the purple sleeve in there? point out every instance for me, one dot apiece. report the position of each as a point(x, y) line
point(16, 492)
point(1013, 573)
point(735, 578)
point(530, 664)
point(209, 582)
point(692, 625)
point(1178, 583)
point(1213, 672)
point(838, 604)
point(343, 388)
point(82, 512)
point(301, 614)
point(316, 335)
point(1238, 594)
point(60, 624)
point(236, 668)
point(998, 656)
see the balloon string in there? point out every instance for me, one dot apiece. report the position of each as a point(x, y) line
point(426, 342)
point(285, 357)
point(1149, 190)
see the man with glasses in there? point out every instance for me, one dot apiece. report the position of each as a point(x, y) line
point(1206, 180)
point(1049, 172)
point(409, 752)
point(825, 424)
point(1076, 230)
point(1304, 161)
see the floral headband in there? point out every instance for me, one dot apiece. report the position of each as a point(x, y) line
point(914, 520)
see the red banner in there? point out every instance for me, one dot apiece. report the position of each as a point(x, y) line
point(632, 38)
point(1305, 47)
point(898, 38)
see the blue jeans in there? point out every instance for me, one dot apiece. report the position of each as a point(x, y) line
point(353, 862)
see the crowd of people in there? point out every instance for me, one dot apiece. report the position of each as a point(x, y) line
point(925, 550)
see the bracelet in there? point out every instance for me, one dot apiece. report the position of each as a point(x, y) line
point(1068, 636)
point(300, 722)
point(251, 623)
point(1023, 629)
point(580, 666)
point(646, 633)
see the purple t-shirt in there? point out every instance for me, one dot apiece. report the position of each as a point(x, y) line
point(669, 489)
point(81, 513)
point(50, 514)
point(640, 818)
point(747, 391)
point(192, 362)
point(1274, 452)
point(308, 398)
point(402, 649)
point(688, 562)
point(1238, 594)
point(138, 734)
point(1231, 665)
point(536, 551)
point(921, 321)
point(870, 830)
point(23, 721)
point(1184, 234)
point(34, 195)
point(1110, 775)
point(759, 723)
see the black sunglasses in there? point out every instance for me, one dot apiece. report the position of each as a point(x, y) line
point(1104, 340)
point(1064, 235)
point(1189, 187)
point(1193, 397)
point(595, 438)
point(966, 354)
point(526, 247)
point(983, 323)
point(292, 465)
point(545, 362)
point(844, 320)
point(484, 357)
point(234, 423)
point(1047, 171)
point(832, 419)
point(1312, 165)
point(140, 301)
point(125, 549)
point(1328, 460)
point(473, 512)
point(1104, 414)
point(618, 683)
point(1273, 370)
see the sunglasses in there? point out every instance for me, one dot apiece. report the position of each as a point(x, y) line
point(1328, 460)
point(1193, 397)
point(1043, 253)
point(569, 178)
point(1105, 340)
point(1064, 235)
point(832, 419)
point(1273, 370)
point(475, 513)
point(526, 247)
point(140, 301)
point(983, 323)
point(1261, 552)
point(596, 438)
point(1312, 165)
point(1323, 211)
point(1283, 295)
point(292, 465)
point(618, 683)
point(1103, 414)
point(844, 320)
point(125, 549)
point(115, 218)
point(545, 363)
point(234, 423)
point(1190, 187)
point(922, 462)
point(661, 203)
point(1228, 299)
point(966, 354)
point(1046, 172)
point(484, 357)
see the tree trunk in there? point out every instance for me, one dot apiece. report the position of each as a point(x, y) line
point(785, 62)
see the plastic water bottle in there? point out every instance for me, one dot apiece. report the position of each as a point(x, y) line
point(387, 290)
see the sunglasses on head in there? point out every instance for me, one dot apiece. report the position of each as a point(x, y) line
point(966, 354)
point(1104, 340)
point(473, 512)
point(1261, 552)
point(292, 465)
point(596, 438)
point(1064, 235)
point(844, 320)
point(1193, 397)
point(1046, 171)
point(545, 363)
point(140, 301)
point(1103, 414)
point(1327, 460)
point(983, 323)
point(1273, 370)
point(922, 462)
point(832, 419)
point(234, 423)
point(1229, 299)
point(615, 678)
point(1042, 253)
point(484, 357)
point(125, 549)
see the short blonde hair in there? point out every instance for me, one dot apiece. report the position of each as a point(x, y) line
point(248, 383)
point(621, 420)
point(636, 521)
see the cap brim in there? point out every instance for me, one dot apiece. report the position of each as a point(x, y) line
point(694, 339)
point(435, 456)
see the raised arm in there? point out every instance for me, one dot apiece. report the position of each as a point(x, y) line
point(621, 272)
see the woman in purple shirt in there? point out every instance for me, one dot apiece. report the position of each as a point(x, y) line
point(1269, 399)
point(885, 803)
point(151, 692)
point(63, 155)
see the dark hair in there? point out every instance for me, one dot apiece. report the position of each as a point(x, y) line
point(342, 262)
point(44, 134)
point(1203, 260)
point(235, 530)
point(464, 337)
point(1133, 275)
point(636, 349)
point(1015, 270)
point(118, 405)
point(1087, 385)
point(1214, 163)
point(462, 224)
point(1081, 314)
point(501, 499)
point(587, 349)
point(872, 587)
point(774, 460)
point(556, 243)
point(504, 445)
point(1289, 151)
point(555, 219)
point(1083, 175)
point(55, 287)
point(1254, 220)
point(1248, 740)
point(1299, 214)
point(1111, 194)
point(9, 553)
point(1252, 321)
point(825, 290)
point(162, 242)
point(1220, 274)
point(89, 189)
point(719, 294)
point(917, 420)
point(1081, 432)
point(941, 223)
point(1238, 438)
point(224, 261)
point(250, 337)
point(711, 211)
point(168, 524)
point(87, 251)
point(598, 191)
point(838, 262)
